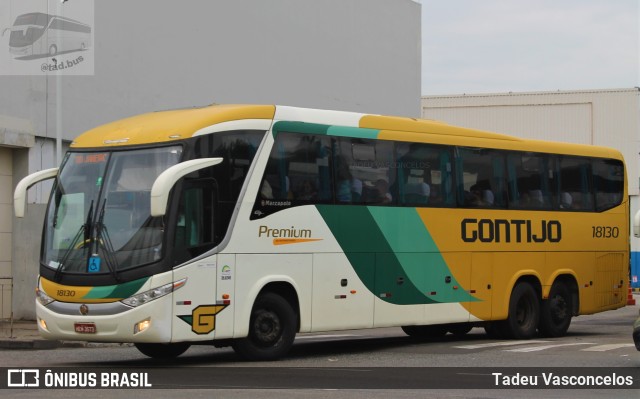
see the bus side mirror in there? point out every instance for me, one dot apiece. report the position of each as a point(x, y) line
point(636, 224)
point(20, 194)
point(167, 179)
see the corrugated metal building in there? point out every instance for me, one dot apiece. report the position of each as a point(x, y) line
point(609, 117)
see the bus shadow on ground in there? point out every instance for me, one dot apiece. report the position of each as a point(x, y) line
point(313, 350)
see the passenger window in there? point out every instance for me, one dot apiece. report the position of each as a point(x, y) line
point(529, 181)
point(364, 171)
point(481, 178)
point(608, 179)
point(425, 175)
point(575, 184)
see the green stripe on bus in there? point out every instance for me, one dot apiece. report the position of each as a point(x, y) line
point(359, 236)
point(356, 132)
point(393, 254)
point(299, 127)
point(124, 290)
point(418, 253)
point(315, 128)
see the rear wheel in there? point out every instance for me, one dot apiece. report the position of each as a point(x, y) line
point(272, 329)
point(163, 351)
point(556, 311)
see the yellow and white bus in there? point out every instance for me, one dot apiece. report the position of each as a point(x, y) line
point(245, 225)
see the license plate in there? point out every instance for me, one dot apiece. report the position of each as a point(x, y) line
point(85, 328)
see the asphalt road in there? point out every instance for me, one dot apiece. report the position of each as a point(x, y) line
point(365, 364)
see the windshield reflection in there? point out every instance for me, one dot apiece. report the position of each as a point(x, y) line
point(98, 220)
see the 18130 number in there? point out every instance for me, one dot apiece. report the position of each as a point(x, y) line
point(605, 231)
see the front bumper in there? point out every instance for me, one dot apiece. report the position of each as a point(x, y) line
point(119, 327)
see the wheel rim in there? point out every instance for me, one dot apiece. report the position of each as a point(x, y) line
point(267, 328)
point(524, 312)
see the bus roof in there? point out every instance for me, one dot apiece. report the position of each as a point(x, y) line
point(41, 19)
point(166, 126)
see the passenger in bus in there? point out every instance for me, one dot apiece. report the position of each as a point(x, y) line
point(566, 201)
point(356, 189)
point(343, 181)
point(307, 191)
point(536, 200)
point(266, 191)
point(382, 192)
point(417, 193)
point(480, 197)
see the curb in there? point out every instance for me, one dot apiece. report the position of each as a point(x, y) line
point(38, 344)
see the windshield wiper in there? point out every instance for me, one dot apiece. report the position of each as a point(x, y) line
point(86, 228)
point(101, 237)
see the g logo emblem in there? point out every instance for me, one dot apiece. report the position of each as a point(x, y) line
point(203, 318)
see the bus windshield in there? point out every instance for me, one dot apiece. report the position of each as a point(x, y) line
point(27, 29)
point(98, 219)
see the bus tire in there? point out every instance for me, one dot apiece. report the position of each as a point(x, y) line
point(432, 331)
point(53, 50)
point(163, 351)
point(556, 311)
point(272, 329)
point(524, 313)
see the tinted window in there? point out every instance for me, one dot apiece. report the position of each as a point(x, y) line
point(481, 178)
point(608, 180)
point(528, 181)
point(365, 171)
point(575, 184)
point(425, 175)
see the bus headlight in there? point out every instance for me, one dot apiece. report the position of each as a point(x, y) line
point(153, 294)
point(43, 298)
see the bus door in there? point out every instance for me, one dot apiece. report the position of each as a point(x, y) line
point(196, 306)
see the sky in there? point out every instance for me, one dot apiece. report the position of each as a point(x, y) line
point(497, 46)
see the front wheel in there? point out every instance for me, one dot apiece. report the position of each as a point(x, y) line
point(272, 329)
point(163, 351)
point(556, 311)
